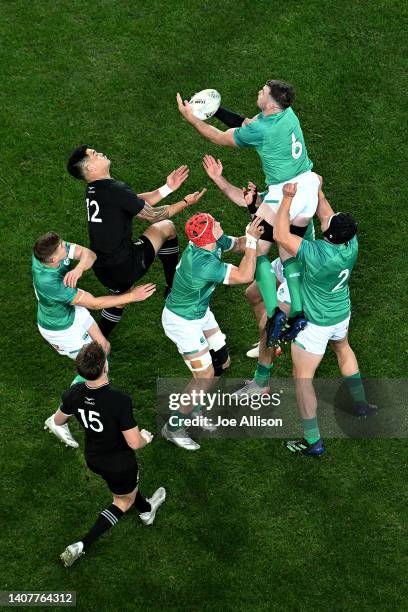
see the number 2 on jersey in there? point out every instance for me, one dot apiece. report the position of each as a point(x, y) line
point(94, 423)
point(94, 217)
point(344, 274)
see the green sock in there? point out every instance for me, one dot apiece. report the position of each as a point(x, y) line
point(293, 275)
point(78, 379)
point(177, 419)
point(262, 374)
point(266, 281)
point(311, 431)
point(356, 387)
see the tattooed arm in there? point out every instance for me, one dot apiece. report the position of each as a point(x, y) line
point(158, 213)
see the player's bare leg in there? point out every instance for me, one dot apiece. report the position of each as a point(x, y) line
point(202, 369)
point(164, 239)
point(96, 334)
point(305, 365)
point(259, 385)
point(349, 369)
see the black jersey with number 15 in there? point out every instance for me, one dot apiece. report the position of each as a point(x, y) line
point(111, 206)
point(104, 413)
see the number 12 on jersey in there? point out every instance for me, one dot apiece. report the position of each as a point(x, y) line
point(93, 218)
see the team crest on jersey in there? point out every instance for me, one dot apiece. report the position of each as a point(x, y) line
point(85, 337)
point(202, 340)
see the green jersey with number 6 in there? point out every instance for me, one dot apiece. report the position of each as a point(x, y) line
point(198, 273)
point(278, 140)
point(54, 310)
point(326, 273)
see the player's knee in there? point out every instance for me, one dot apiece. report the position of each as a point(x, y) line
point(200, 366)
point(219, 352)
point(221, 360)
point(170, 228)
point(252, 294)
point(341, 346)
point(207, 373)
point(124, 502)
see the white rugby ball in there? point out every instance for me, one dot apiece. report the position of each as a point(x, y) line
point(205, 103)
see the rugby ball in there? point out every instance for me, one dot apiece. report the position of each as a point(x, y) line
point(205, 103)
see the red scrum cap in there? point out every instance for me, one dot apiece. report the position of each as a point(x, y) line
point(199, 229)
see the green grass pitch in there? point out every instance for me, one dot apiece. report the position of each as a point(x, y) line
point(246, 526)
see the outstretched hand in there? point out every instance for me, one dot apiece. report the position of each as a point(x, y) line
point(192, 198)
point(212, 166)
point(255, 228)
point(177, 177)
point(142, 292)
point(185, 108)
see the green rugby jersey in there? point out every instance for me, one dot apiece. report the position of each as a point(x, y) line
point(54, 310)
point(198, 273)
point(278, 140)
point(326, 273)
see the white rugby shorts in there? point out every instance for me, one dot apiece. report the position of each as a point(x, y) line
point(304, 203)
point(188, 335)
point(70, 341)
point(314, 338)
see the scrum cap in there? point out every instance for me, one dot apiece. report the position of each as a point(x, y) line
point(199, 229)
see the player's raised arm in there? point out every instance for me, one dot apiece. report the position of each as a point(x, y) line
point(281, 228)
point(245, 272)
point(210, 132)
point(136, 294)
point(86, 259)
point(214, 170)
point(159, 213)
point(173, 182)
point(324, 211)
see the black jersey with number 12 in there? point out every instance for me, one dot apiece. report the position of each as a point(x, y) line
point(111, 206)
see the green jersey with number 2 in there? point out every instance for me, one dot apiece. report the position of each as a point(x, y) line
point(326, 273)
point(197, 275)
point(279, 142)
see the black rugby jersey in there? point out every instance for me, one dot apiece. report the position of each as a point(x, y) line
point(104, 412)
point(111, 206)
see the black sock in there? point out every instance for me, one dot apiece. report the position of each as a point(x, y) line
point(107, 519)
point(228, 117)
point(169, 255)
point(110, 317)
point(141, 504)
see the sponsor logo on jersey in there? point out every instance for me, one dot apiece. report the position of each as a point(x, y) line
point(90, 401)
